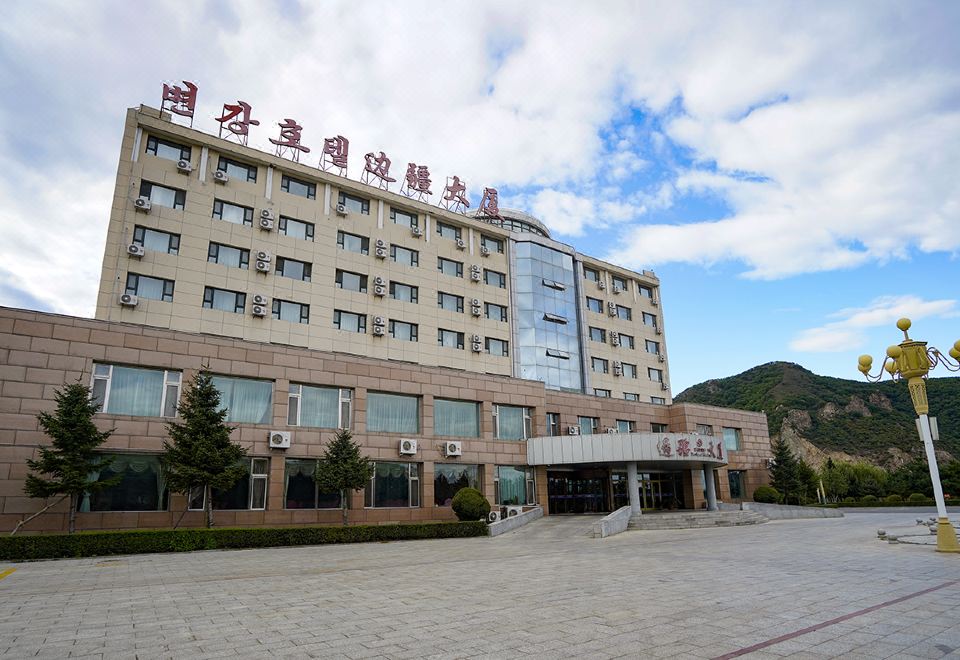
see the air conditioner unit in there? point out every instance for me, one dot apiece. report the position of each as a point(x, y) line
point(381, 243)
point(129, 300)
point(475, 302)
point(135, 250)
point(408, 446)
point(494, 516)
point(260, 299)
point(220, 176)
point(279, 439)
point(617, 368)
point(266, 213)
point(614, 338)
point(342, 210)
point(378, 331)
point(612, 429)
point(379, 290)
point(380, 252)
point(453, 448)
point(476, 347)
point(379, 281)
point(263, 266)
point(573, 430)
point(654, 302)
point(184, 166)
point(611, 309)
point(601, 285)
point(416, 232)
point(266, 224)
point(259, 310)
point(513, 511)
point(475, 338)
point(475, 276)
point(664, 386)
point(263, 255)
point(659, 331)
point(484, 251)
point(661, 358)
point(461, 244)
point(142, 204)
point(476, 311)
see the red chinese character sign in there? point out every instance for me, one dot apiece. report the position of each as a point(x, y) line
point(416, 183)
point(489, 205)
point(455, 196)
point(377, 171)
point(289, 142)
point(180, 100)
point(236, 121)
point(335, 153)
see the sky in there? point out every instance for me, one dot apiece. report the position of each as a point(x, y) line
point(788, 170)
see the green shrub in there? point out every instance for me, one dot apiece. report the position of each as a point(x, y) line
point(917, 497)
point(766, 495)
point(893, 499)
point(470, 504)
point(869, 499)
point(93, 544)
point(849, 500)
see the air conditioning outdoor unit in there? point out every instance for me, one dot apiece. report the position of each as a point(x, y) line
point(617, 289)
point(494, 516)
point(612, 429)
point(659, 330)
point(416, 232)
point(379, 281)
point(259, 310)
point(184, 166)
point(476, 347)
point(135, 250)
point(461, 244)
point(378, 331)
point(260, 299)
point(476, 311)
point(263, 266)
point(379, 290)
point(475, 275)
point(408, 447)
point(654, 302)
point(453, 448)
point(380, 252)
point(142, 204)
point(220, 176)
point(661, 358)
point(484, 251)
point(263, 255)
point(611, 309)
point(379, 320)
point(129, 300)
point(617, 368)
point(664, 386)
point(266, 224)
point(342, 210)
point(279, 439)
point(614, 338)
point(381, 243)
point(573, 430)
point(266, 213)
point(513, 511)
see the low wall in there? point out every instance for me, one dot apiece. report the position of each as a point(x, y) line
point(510, 524)
point(612, 524)
point(789, 511)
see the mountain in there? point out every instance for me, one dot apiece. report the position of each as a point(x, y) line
point(847, 419)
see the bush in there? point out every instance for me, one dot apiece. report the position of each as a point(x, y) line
point(766, 495)
point(869, 499)
point(470, 504)
point(893, 499)
point(92, 544)
point(917, 497)
point(849, 500)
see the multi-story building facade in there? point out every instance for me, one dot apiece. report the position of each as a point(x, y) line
point(459, 350)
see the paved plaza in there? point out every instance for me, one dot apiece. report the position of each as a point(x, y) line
point(546, 590)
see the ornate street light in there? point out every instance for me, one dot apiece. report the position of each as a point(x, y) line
point(912, 360)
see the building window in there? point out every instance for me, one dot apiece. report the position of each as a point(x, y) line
point(495, 312)
point(644, 291)
point(653, 347)
point(163, 196)
point(353, 243)
point(354, 204)
point(404, 218)
point(151, 288)
point(555, 353)
point(448, 231)
point(619, 283)
point(296, 228)
point(226, 255)
point(404, 292)
point(458, 419)
point(295, 270)
point(393, 485)
point(403, 331)
point(246, 494)
point(392, 413)
point(351, 281)
point(349, 321)
point(591, 274)
point(142, 485)
point(298, 187)
point(237, 170)
point(224, 300)
point(595, 305)
point(704, 429)
point(625, 426)
point(732, 438)
point(624, 313)
point(649, 320)
point(658, 400)
point(656, 375)
point(735, 479)
point(167, 149)
point(300, 490)
point(491, 243)
point(450, 267)
point(626, 341)
point(155, 240)
point(135, 391)
point(497, 347)
point(553, 424)
point(659, 428)
point(450, 478)
point(319, 407)
point(514, 485)
point(511, 422)
point(598, 334)
point(601, 393)
point(631, 396)
point(450, 338)
point(599, 365)
point(588, 425)
point(287, 310)
point(404, 256)
point(246, 400)
point(629, 370)
point(238, 215)
point(493, 278)
point(450, 302)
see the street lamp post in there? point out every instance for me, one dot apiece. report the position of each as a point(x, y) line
point(912, 360)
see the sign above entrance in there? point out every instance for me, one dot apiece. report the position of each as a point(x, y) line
point(670, 449)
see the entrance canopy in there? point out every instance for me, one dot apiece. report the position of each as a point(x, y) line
point(667, 450)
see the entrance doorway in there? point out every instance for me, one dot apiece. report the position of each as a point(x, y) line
point(658, 490)
point(578, 491)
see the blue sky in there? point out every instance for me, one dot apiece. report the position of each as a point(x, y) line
point(789, 170)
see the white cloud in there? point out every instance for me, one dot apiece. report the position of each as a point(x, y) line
point(848, 332)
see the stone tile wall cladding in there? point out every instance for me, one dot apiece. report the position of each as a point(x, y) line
point(41, 352)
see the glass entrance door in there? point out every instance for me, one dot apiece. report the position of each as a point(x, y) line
point(581, 491)
point(658, 490)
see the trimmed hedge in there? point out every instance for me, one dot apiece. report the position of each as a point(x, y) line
point(766, 495)
point(94, 544)
point(855, 505)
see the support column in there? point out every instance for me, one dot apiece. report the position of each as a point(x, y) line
point(633, 488)
point(711, 488)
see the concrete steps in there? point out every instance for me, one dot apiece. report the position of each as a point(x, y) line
point(695, 519)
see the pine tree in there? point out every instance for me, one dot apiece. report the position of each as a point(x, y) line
point(784, 473)
point(201, 454)
point(72, 457)
point(342, 468)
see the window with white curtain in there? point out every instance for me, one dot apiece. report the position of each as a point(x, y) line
point(459, 419)
point(514, 485)
point(300, 490)
point(393, 485)
point(319, 407)
point(245, 399)
point(135, 391)
point(511, 422)
point(393, 413)
point(142, 486)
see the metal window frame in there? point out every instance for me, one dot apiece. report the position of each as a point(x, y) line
point(168, 381)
